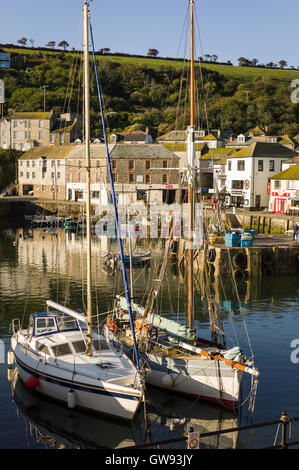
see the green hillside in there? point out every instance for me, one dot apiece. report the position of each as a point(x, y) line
point(142, 91)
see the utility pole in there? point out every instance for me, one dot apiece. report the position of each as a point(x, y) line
point(44, 87)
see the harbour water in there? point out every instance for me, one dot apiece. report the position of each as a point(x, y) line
point(36, 265)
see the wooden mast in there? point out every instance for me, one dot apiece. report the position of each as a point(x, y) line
point(87, 176)
point(191, 154)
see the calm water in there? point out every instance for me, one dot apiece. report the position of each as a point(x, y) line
point(37, 265)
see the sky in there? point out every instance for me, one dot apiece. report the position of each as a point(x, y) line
point(266, 30)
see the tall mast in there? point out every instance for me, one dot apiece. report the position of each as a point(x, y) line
point(87, 176)
point(191, 155)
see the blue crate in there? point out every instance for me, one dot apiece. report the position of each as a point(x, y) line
point(246, 243)
point(297, 237)
point(252, 232)
point(232, 239)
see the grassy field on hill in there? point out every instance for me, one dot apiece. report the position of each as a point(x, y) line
point(142, 92)
point(230, 71)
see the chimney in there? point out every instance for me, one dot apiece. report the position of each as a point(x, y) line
point(146, 130)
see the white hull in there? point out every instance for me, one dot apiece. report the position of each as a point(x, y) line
point(93, 394)
point(206, 379)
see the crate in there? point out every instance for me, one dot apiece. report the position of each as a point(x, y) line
point(246, 243)
point(252, 232)
point(297, 237)
point(232, 239)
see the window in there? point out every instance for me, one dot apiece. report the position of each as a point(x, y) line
point(27, 135)
point(147, 164)
point(229, 165)
point(43, 188)
point(165, 164)
point(241, 165)
point(44, 325)
point(33, 163)
point(79, 346)
point(260, 165)
point(80, 164)
point(291, 184)
point(15, 135)
point(115, 177)
point(52, 138)
point(58, 174)
point(40, 124)
point(27, 163)
point(237, 184)
point(21, 163)
point(40, 134)
point(131, 165)
point(42, 348)
point(27, 174)
point(66, 323)
point(15, 124)
point(131, 178)
point(61, 349)
point(33, 175)
point(164, 178)
point(98, 164)
point(147, 178)
point(114, 164)
point(100, 344)
point(277, 184)
point(21, 174)
point(271, 165)
point(52, 163)
point(61, 138)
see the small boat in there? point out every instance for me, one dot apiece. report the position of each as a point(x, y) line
point(51, 358)
point(137, 260)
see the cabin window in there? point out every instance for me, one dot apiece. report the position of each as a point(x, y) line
point(61, 349)
point(45, 325)
point(42, 348)
point(79, 346)
point(271, 165)
point(66, 323)
point(99, 345)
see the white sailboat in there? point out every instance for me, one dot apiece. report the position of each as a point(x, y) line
point(174, 356)
point(59, 355)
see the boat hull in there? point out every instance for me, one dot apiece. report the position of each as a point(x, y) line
point(205, 379)
point(91, 394)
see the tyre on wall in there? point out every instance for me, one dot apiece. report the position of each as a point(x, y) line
point(268, 258)
point(240, 260)
point(239, 274)
point(211, 255)
point(268, 271)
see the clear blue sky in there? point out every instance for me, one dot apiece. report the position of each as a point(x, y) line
point(263, 29)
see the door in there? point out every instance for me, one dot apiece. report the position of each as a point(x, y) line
point(257, 201)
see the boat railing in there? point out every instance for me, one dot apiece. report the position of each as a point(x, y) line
point(15, 325)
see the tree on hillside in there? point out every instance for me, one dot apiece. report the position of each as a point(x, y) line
point(63, 44)
point(270, 64)
point(243, 61)
point(254, 62)
point(22, 41)
point(282, 63)
point(51, 44)
point(32, 42)
point(153, 52)
point(104, 50)
point(214, 57)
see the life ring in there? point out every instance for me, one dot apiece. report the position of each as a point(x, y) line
point(211, 255)
point(240, 260)
point(268, 271)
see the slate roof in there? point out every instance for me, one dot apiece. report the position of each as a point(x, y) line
point(261, 149)
point(291, 173)
point(150, 151)
point(50, 152)
point(30, 115)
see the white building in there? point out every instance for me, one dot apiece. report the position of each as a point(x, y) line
point(249, 170)
point(284, 190)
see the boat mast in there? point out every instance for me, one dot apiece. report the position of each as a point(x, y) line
point(191, 157)
point(87, 167)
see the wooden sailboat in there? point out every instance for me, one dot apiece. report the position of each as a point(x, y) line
point(174, 356)
point(59, 355)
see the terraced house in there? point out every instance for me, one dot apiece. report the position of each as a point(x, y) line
point(42, 172)
point(24, 130)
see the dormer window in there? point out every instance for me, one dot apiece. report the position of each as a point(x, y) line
point(241, 138)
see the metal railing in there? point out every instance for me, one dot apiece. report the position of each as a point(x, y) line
point(284, 423)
